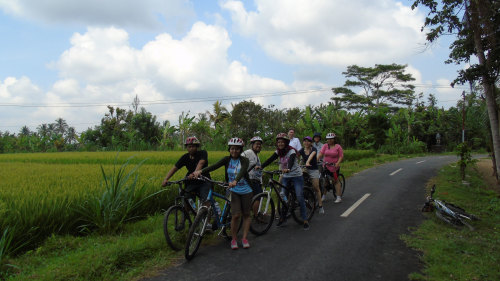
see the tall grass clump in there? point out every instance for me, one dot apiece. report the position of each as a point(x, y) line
point(120, 201)
point(5, 250)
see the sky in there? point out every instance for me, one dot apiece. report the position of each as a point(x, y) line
point(70, 59)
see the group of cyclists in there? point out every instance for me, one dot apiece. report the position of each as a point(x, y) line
point(243, 173)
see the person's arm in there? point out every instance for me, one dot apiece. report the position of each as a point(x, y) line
point(341, 156)
point(299, 146)
point(210, 168)
point(202, 161)
point(169, 175)
point(270, 160)
point(311, 157)
point(291, 162)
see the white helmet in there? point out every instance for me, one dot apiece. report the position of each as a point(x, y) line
point(236, 141)
point(330, 136)
point(254, 139)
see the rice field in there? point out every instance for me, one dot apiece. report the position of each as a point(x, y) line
point(40, 191)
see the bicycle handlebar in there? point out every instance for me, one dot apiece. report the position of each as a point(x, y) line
point(221, 183)
point(177, 181)
point(275, 172)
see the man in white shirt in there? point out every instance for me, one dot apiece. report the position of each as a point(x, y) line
point(294, 142)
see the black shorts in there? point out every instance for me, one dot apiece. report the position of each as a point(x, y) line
point(256, 186)
point(201, 190)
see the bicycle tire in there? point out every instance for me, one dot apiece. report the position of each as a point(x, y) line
point(262, 221)
point(310, 201)
point(450, 220)
point(461, 212)
point(341, 179)
point(196, 234)
point(176, 225)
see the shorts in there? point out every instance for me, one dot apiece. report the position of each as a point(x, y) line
point(241, 203)
point(201, 190)
point(313, 174)
point(256, 186)
point(335, 174)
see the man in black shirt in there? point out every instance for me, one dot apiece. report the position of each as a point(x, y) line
point(193, 160)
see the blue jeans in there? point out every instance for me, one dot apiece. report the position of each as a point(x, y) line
point(298, 184)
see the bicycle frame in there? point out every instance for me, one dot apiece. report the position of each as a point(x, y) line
point(225, 209)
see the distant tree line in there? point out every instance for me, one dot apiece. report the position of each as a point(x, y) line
point(375, 109)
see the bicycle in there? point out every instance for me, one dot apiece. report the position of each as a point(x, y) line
point(290, 205)
point(222, 221)
point(179, 217)
point(327, 183)
point(448, 212)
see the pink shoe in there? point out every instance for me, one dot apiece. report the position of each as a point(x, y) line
point(234, 245)
point(245, 243)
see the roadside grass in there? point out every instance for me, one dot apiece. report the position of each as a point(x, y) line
point(450, 253)
point(138, 251)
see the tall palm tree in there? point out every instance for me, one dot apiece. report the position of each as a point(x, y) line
point(220, 114)
point(61, 126)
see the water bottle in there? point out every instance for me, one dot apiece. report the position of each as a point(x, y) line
point(282, 193)
point(217, 208)
point(191, 202)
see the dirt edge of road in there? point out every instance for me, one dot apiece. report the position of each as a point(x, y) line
point(485, 169)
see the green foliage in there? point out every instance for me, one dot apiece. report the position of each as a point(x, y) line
point(464, 152)
point(5, 251)
point(448, 253)
point(120, 202)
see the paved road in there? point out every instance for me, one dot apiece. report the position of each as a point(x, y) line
point(365, 245)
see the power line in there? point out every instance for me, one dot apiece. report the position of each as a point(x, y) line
point(196, 100)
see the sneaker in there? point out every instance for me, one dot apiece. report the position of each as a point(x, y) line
point(338, 200)
point(306, 226)
point(321, 210)
point(245, 243)
point(323, 198)
point(281, 222)
point(234, 245)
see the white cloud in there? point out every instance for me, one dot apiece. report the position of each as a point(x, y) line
point(124, 13)
point(101, 67)
point(337, 33)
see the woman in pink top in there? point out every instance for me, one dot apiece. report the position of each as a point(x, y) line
point(333, 154)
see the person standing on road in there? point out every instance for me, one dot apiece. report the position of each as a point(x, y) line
point(333, 154)
point(236, 173)
point(294, 142)
point(309, 157)
point(254, 173)
point(194, 160)
point(292, 173)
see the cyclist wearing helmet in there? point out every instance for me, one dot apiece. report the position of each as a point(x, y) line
point(236, 173)
point(254, 173)
point(332, 153)
point(193, 160)
point(291, 172)
point(309, 157)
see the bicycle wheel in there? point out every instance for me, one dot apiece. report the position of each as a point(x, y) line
point(461, 212)
point(196, 233)
point(310, 201)
point(176, 224)
point(263, 219)
point(341, 179)
point(450, 220)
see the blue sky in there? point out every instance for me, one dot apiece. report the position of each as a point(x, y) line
point(69, 59)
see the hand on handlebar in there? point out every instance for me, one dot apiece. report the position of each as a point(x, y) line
point(165, 183)
point(285, 171)
point(232, 184)
point(195, 174)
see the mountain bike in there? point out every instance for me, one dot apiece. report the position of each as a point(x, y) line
point(448, 212)
point(222, 221)
point(286, 205)
point(179, 217)
point(327, 182)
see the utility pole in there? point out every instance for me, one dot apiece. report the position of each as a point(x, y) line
point(463, 118)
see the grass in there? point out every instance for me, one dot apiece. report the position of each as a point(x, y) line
point(449, 253)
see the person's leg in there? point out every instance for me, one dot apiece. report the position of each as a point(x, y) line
point(246, 204)
point(298, 183)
